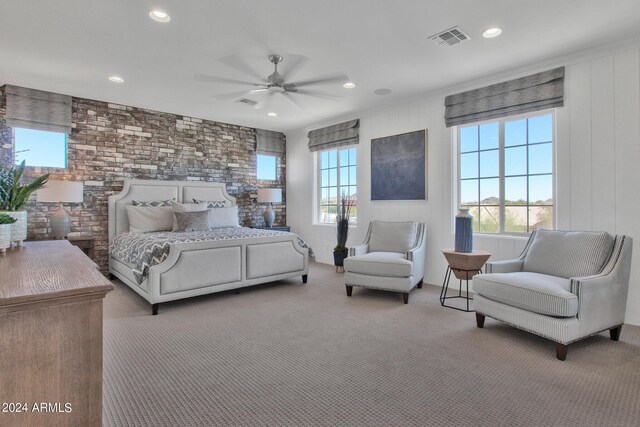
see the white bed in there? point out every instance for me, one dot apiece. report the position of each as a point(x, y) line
point(199, 268)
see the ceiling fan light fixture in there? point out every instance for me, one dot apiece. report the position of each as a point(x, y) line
point(159, 15)
point(116, 79)
point(272, 114)
point(492, 32)
point(349, 85)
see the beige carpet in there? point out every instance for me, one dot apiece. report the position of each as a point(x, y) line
point(288, 354)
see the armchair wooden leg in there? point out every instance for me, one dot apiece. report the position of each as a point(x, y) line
point(561, 351)
point(405, 297)
point(480, 320)
point(154, 309)
point(615, 333)
point(304, 278)
point(349, 290)
point(419, 285)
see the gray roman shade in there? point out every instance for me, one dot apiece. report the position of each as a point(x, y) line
point(531, 93)
point(269, 143)
point(339, 135)
point(39, 110)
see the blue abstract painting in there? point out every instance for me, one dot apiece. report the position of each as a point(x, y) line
point(398, 167)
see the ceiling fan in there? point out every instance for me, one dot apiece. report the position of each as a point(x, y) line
point(274, 83)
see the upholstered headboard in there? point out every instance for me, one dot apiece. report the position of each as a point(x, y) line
point(147, 190)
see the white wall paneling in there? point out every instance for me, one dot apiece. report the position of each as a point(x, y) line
point(597, 167)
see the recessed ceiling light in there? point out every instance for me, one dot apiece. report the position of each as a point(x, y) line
point(492, 32)
point(382, 92)
point(349, 85)
point(272, 114)
point(159, 15)
point(116, 79)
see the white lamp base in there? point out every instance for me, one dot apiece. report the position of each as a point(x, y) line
point(60, 222)
point(269, 216)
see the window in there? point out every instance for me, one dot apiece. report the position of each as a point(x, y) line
point(266, 167)
point(506, 174)
point(337, 177)
point(40, 148)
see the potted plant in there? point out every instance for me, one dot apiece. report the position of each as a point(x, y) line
point(341, 251)
point(14, 197)
point(6, 223)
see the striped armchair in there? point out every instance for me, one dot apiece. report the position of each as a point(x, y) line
point(565, 286)
point(391, 258)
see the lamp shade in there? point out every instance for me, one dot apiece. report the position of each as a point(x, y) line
point(269, 195)
point(61, 191)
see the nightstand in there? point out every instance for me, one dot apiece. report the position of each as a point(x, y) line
point(276, 228)
point(84, 241)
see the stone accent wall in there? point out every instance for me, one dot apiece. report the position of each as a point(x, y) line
point(111, 142)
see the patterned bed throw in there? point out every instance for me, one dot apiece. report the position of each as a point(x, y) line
point(149, 249)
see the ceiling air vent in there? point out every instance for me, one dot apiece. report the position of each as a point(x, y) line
point(249, 102)
point(450, 37)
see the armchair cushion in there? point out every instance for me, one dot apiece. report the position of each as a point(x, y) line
point(568, 253)
point(539, 293)
point(389, 264)
point(392, 236)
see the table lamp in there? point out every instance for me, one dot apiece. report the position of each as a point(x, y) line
point(60, 192)
point(269, 195)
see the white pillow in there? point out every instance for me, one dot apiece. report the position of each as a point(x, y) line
point(185, 207)
point(145, 219)
point(223, 217)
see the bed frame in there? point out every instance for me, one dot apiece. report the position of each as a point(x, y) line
point(199, 268)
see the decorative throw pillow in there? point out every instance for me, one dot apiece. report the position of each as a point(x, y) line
point(185, 207)
point(192, 221)
point(223, 217)
point(145, 219)
point(154, 203)
point(211, 204)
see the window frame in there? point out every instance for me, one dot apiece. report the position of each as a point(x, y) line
point(14, 141)
point(501, 167)
point(318, 182)
point(276, 158)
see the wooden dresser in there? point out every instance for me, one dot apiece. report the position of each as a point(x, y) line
point(50, 336)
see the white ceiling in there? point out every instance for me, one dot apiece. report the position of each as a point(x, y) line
point(72, 46)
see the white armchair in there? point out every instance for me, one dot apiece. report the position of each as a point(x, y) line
point(391, 258)
point(565, 286)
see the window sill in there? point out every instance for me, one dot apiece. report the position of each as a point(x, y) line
point(319, 224)
point(501, 236)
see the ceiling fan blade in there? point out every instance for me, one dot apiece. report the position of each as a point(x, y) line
point(338, 78)
point(265, 104)
point(291, 63)
point(231, 95)
point(214, 79)
point(239, 65)
point(292, 101)
point(316, 94)
point(263, 89)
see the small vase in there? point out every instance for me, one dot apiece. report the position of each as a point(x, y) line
point(5, 237)
point(464, 231)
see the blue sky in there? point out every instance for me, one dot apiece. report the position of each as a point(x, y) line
point(485, 164)
point(41, 148)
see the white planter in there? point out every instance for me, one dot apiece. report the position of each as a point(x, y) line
point(19, 228)
point(5, 236)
